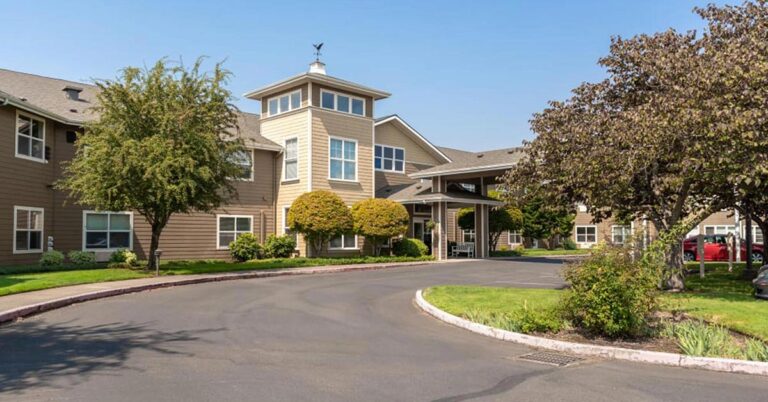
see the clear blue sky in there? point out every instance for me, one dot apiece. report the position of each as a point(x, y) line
point(466, 74)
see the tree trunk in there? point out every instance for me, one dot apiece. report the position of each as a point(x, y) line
point(157, 230)
point(675, 275)
point(762, 223)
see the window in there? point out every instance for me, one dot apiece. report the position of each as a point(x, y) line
point(757, 234)
point(515, 237)
point(27, 230)
point(389, 159)
point(230, 227)
point(291, 159)
point(468, 187)
point(107, 230)
point(586, 234)
point(468, 235)
point(244, 159)
point(620, 234)
point(286, 230)
point(30, 138)
point(285, 103)
point(343, 159)
point(342, 103)
point(347, 241)
point(719, 229)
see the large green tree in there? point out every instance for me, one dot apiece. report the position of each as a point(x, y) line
point(162, 144)
point(542, 221)
point(379, 220)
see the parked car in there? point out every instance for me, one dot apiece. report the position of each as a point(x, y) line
point(716, 249)
point(761, 283)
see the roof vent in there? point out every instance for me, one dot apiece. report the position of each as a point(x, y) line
point(72, 92)
point(73, 110)
point(480, 155)
point(317, 67)
point(511, 151)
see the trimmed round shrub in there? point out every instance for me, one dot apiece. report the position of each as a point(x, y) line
point(52, 258)
point(78, 257)
point(610, 294)
point(319, 215)
point(378, 220)
point(124, 256)
point(410, 248)
point(279, 246)
point(245, 247)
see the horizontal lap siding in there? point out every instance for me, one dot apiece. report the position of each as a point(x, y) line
point(22, 183)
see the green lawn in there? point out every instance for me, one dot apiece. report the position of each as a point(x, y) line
point(26, 282)
point(721, 297)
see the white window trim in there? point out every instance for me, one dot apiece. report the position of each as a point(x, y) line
point(393, 170)
point(277, 97)
point(285, 159)
point(509, 237)
point(336, 102)
point(714, 229)
point(357, 151)
point(107, 250)
point(16, 137)
point(42, 229)
point(463, 235)
point(253, 172)
point(576, 234)
point(285, 225)
point(622, 233)
point(342, 245)
point(218, 227)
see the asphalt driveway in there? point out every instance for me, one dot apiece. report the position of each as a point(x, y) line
point(351, 336)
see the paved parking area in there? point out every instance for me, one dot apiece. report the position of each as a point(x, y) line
point(347, 336)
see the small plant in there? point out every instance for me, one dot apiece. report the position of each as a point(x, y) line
point(122, 265)
point(81, 258)
point(533, 320)
point(52, 258)
point(124, 256)
point(610, 294)
point(410, 248)
point(569, 244)
point(697, 338)
point(503, 248)
point(245, 247)
point(279, 246)
point(756, 350)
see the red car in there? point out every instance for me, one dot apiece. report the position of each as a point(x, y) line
point(716, 249)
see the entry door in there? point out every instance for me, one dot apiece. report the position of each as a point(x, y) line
point(420, 232)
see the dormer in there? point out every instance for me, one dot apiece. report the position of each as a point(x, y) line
point(327, 92)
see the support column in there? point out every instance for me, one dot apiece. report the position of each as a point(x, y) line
point(481, 231)
point(440, 231)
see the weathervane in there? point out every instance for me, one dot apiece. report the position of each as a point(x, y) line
point(317, 51)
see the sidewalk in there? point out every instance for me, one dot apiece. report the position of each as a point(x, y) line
point(13, 307)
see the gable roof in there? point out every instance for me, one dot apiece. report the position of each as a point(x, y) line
point(421, 192)
point(393, 118)
point(45, 96)
point(469, 162)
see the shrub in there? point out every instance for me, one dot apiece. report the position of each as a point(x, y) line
point(410, 248)
point(319, 216)
point(569, 244)
point(78, 257)
point(379, 219)
point(123, 265)
point(279, 246)
point(124, 256)
point(52, 258)
point(245, 247)
point(610, 294)
point(696, 338)
point(503, 248)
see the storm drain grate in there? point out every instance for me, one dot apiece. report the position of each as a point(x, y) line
point(555, 359)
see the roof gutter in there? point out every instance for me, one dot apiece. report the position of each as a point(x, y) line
point(422, 175)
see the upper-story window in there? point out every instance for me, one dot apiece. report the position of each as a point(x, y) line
point(291, 160)
point(342, 103)
point(284, 103)
point(343, 159)
point(30, 138)
point(390, 158)
point(244, 159)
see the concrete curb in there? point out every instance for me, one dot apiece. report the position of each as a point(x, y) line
point(662, 358)
point(37, 308)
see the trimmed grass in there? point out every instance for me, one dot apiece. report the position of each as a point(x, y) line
point(721, 297)
point(27, 282)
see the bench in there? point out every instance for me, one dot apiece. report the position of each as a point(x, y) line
point(463, 248)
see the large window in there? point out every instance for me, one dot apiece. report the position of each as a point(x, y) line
point(586, 234)
point(620, 234)
point(291, 160)
point(30, 138)
point(284, 103)
point(719, 229)
point(342, 103)
point(230, 227)
point(757, 235)
point(107, 230)
point(244, 160)
point(343, 159)
point(346, 241)
point(389, 158)
point(27, 230)
point(468, 236)
point(515, 237)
